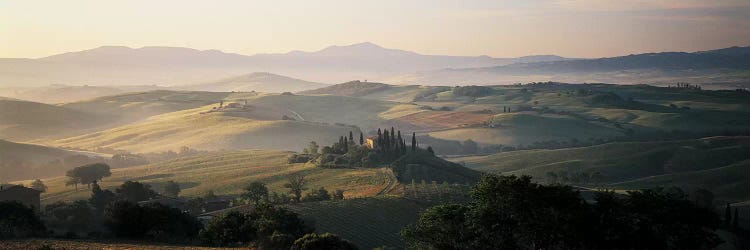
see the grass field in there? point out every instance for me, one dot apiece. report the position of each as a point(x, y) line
point(228, 173)
point(718, 164)
point(208, 131)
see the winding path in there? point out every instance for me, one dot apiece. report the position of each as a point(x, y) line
point(391, 182)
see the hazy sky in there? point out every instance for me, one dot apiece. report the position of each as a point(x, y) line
point(500, 28)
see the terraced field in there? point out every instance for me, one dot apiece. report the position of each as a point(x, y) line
point(229, 173)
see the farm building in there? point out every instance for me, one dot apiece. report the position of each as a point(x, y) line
point(24, 195)
point(370, 142)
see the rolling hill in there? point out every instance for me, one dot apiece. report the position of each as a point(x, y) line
point(259, 81)
point(54, 94)
point(22, 121)
point(204, 129)
point(716, 163)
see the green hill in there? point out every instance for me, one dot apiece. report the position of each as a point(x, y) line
point(634, 164)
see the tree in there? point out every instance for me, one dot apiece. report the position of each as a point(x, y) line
point(87, 174)
point(127, 219)
point(267, 226)
point(361, 138)
point(510, 212)
point(256, 192)
point(413, 141)
point(72, 181)
point(100, 198)
point(315, 241)
point(317, 195)
point(172, 189)
point(312, 148)
point(703, 198)
point(18, 220)
point(429, 149)
point(135, 191)
point(440, 227)
point(351, 137)
point(296, 184)
point(39, 186)
point(230, 229)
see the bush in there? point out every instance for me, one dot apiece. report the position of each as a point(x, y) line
point(315, 241)
point(18, 221)
point(231, 229)
point(155, 221)
point(269, 227)
point(317, 195)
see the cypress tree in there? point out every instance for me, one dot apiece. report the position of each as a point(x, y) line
point(379, 140)
point(386, 141)
point(346, 145)
point(361, 139)
point(351, 136)
point(728, 216)
point(413, 141)
point(393, 137)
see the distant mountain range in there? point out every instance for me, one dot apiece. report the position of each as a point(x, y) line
point(112, 65)
point(729, 66)
point(116, 65)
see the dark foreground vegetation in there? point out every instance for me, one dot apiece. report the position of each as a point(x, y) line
point(504, 212)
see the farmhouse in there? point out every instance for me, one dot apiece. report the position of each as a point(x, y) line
point(24, 195)
point(370, 142)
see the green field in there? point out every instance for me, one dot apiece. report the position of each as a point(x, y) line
point(228, 173)
point(718, 164)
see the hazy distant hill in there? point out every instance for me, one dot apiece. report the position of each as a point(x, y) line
point(258, 81)
point(66, 93)
point(117, 65)
point(22, 120)
point(723, 66)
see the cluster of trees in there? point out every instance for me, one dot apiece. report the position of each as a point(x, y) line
point(510, 212)
point(87, 174)
point(257, 192)
point(686, 86)
point(350, 152)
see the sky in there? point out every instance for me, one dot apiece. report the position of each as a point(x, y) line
point(498, 28)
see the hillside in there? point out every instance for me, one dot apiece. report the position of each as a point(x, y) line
point(54, 94)
point(259, 81)
point(22, 121)
point(716, 163)
point(424, 167)
point(721, 68)
point(227, 173)
point(20, 161)
point(207, 129)
point(33, 153)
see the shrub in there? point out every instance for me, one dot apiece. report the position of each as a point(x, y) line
point(315, 241)
point(17, 221)
point(155, 221)
point(269, 227)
